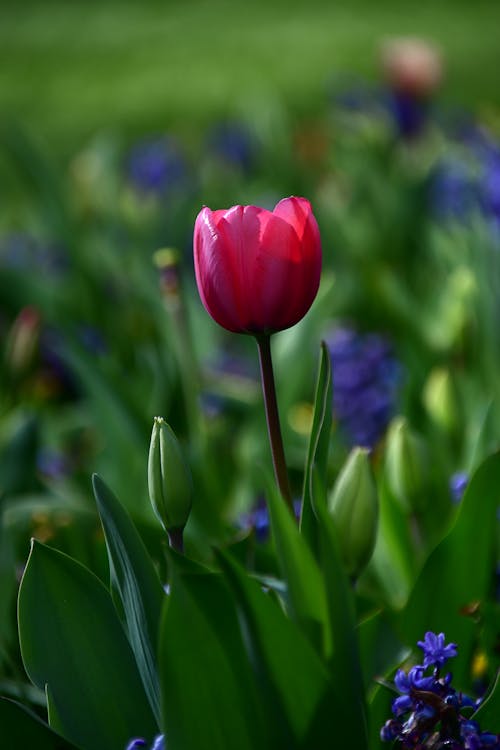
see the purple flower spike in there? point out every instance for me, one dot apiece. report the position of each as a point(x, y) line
point(435, 652)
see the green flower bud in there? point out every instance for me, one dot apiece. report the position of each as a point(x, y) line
point(169, 480)
point(440, 399)
point(353, 504)
point(405, 465)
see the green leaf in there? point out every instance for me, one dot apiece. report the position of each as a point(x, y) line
point(345, 662)
point(73, 642)
point(319, 443)
point(393, 560)
point(488, 713)
point(135, 587)
point(305, 590)
point(210, 695)
point(21, 728)
point(7, 585)
point(293, 680)
point(458, 571)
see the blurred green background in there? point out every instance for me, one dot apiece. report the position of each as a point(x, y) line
point(69, 68)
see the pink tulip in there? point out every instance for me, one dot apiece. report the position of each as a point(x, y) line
point(258, 271)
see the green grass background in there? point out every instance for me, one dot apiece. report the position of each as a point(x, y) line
point(70, 68)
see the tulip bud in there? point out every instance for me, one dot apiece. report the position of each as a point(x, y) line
point(258, 271)
point(169, 480)
point(412, 65)
point(405, 465)
point(23, 340)
point(353, 504)
point(440, 399)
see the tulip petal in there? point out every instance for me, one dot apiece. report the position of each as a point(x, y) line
point(214, 268)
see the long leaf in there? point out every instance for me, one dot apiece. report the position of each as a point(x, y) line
point(319, 443)
point(305, 589)
point(345, 663)
point(458, 571)
point(135, 586)
point(488, 713)
point(210, 695)
point(294, 680)
point(21, 728)
point(73, 642)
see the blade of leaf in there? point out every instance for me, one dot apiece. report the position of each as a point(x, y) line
point(72, 640)
point(293, 678)
point(488, 713)
point(454, 576)
point(210, 697)
point(135, 587)
point(319, 443)
point(345, 662)
point(21, 728)
point(305, 589)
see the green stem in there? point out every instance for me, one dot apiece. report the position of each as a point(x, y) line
point(272, 416)
point(176, 539)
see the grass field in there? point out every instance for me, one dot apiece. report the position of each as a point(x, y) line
point(67, 69)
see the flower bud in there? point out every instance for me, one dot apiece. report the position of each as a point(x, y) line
point(23, 340)
point(405, 465)
point(353, 504)
point(169, 480)
point(440, 399)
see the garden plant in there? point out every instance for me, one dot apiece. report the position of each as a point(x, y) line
point(275, 525)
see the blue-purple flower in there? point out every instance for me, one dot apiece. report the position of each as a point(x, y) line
point(159, 743)
point(156, 165)
point(429, 712)
point(436, 653)
point(366, 377)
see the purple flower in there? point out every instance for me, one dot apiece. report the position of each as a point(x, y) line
point(156, 165)
point(159, 743)
point(366, 377)
point(258, 519)
point(231, 143)
point(458, 483)
point(435, 652)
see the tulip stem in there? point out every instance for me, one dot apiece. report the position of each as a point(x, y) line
point(272, 416)
point(176, 539)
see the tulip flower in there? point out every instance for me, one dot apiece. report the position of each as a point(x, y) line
point(258, 271)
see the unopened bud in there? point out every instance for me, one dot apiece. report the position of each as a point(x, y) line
point(169, 480)
point(353, 504)
point(23, 340)
point(440, 399)
point(405, 465)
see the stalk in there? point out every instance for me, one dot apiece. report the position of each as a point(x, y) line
point(272, 416)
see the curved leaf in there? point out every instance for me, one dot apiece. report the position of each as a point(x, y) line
point(319, 443)
point(73, 642)
point(210, 696)
point(135, 586)
point(21, 728)
point(457, 573)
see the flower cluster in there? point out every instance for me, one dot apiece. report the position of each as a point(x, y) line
point(366, 377)
point(429, 712)
point(468, 183)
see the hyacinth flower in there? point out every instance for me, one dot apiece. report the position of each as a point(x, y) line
point(258, 272)
point(458, 483)
point(155, 166)
point(429, 712)
point(159, 743)
point(231, 143)
point(366, 376)
point(258, 521)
